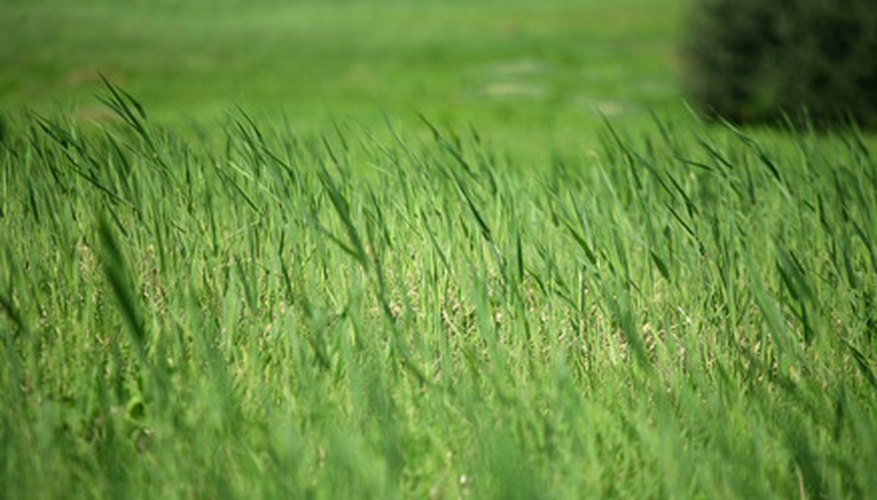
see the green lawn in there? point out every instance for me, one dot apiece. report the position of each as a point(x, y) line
point(503, 298)
point(539, 72)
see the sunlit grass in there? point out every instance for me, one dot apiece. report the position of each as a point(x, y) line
point(532, 73)
point(686, 312)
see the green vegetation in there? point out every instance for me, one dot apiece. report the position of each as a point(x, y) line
point(768, 60)
point(347, 316)
point(416, 262)
point(533, 73)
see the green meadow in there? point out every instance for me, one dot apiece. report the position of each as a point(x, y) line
point(368, 249)
point(532, 72)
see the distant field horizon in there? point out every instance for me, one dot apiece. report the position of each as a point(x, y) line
point(542, 71)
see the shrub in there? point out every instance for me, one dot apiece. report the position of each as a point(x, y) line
point(758, 60)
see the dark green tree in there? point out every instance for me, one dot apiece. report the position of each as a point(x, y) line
point(761, 60)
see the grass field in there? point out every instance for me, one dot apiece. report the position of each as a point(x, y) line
point(404, 284)
point(532, 72)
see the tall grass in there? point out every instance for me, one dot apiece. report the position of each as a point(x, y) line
point(688, 312)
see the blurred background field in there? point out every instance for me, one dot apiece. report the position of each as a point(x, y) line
point(530, 74)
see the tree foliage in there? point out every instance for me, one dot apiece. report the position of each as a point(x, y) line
point(762, 60)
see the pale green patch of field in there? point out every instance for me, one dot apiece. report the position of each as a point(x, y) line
point(536, 74)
